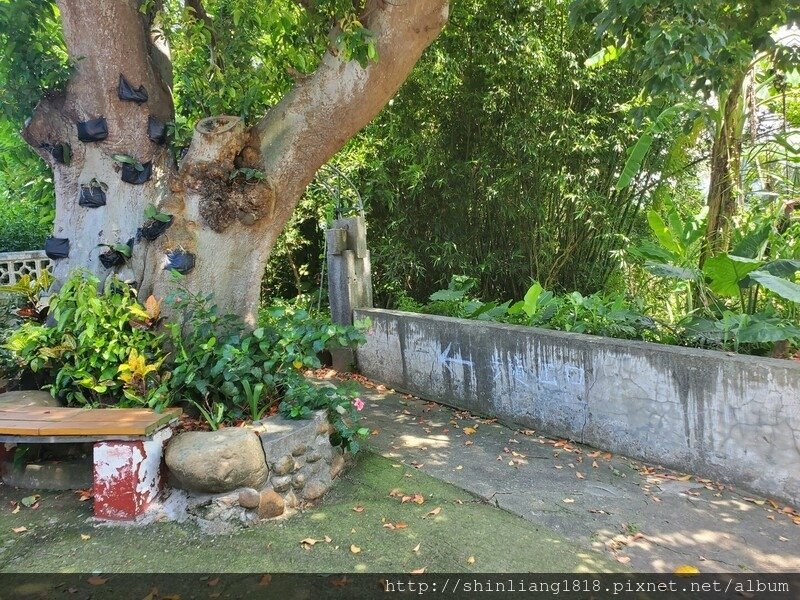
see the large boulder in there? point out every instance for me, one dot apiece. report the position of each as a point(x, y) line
point(27, 399)
point(217, 461)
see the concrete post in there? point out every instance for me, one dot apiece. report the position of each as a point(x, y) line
point(349, 277)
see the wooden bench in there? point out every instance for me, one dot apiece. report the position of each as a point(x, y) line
point(128, 449)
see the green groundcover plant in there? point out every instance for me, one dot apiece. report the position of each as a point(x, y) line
point(105, 348)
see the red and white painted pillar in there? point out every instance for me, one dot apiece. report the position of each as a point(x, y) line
point(127, 476)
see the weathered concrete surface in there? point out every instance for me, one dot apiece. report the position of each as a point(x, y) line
point(647, 518)
point(724, 416)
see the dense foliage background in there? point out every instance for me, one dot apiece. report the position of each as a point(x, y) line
point(573, 144)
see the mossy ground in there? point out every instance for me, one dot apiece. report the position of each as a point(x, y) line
point(464, 527)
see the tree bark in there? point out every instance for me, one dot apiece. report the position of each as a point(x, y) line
point(725, 156)
point(229, 226)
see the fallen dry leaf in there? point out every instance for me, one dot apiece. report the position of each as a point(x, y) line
point(85, 537)
point(265, 580)
point(434, 512)
point(359, 508)
point(308, 542)
point(22, 529)
point(328, 540)
point(783, 539)
point(213, 582)
point(354, 549)
point(339, 582)
point(416, 548)
point(568, 500)
point(16, 510)
point(471, 560)
point(416, 498)
point(469, 430)
point(579, 475)
point(96, 580)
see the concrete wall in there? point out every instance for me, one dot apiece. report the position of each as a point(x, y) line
point(730, 417)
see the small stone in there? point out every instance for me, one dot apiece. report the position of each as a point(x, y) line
point(283, 466)
point(325, 428)
point(299, 463)
point(337, 465)
point(271, 505)
point(313, 456)
point(316, 488)
point(281, 484)
point(249, 498)
point(290, 499)
point(315, 467)
point(298, 481)
point(300, 450)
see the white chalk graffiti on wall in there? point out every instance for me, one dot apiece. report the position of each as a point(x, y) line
point(566, 374)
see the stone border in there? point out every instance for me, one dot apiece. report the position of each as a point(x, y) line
point(300, 461)
point(725, 416)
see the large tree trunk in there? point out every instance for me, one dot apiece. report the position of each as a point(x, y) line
point(228, 226)
point(725, 155)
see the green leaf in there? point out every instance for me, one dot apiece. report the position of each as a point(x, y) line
point(725, 273)
point(531, 299)
point(663, 233)
point(671, 271)
point(603, 56)
point(762, 331)
point(447, 295)
point(752, 244)
point(777, 285)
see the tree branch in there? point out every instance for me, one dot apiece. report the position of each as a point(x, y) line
point(201, 14)
point(313, 121)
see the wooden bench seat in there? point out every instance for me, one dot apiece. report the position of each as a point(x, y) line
point(128, 448)
point(54, 423)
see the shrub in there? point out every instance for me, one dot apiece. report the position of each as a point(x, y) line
point(102, 348)
point(231, 374)
point(21, 227)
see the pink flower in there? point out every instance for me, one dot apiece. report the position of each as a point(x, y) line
point(358, 403)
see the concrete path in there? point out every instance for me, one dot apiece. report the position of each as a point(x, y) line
point(645, 517)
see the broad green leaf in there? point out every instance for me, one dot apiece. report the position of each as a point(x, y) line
point(777, 285)
point(663, 233)
point(447, 295)
point(671, 271)
point(725, 273)
point(751, 245)
point(761, 331)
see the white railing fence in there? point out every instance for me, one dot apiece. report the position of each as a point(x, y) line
point(14, 265)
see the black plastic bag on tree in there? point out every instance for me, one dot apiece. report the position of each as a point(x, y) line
point(94, 130)
point(151, 229)
point(92, 196)
point(182, 262)
point(56, 248)
point(127, 93)
point(156, 131)
point(61, 153)
point(132, 175)
point(114, 258)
